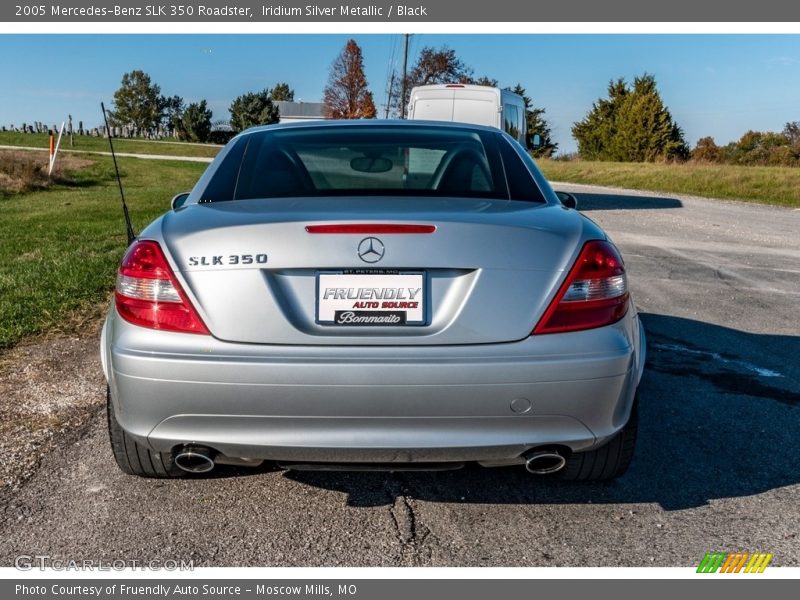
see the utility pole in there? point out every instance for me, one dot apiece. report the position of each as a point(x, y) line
point(403, 100)
point(389, 95)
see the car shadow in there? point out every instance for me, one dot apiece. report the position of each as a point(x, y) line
point(719, 418)
point(590, 202)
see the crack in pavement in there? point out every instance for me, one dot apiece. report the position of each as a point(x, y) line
point(410, 534)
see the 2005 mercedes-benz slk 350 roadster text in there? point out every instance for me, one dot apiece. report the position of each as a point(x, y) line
point(380, 294)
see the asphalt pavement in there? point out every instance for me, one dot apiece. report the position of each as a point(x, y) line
point(717, 466)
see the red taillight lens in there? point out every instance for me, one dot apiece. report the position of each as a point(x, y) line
point(148, 294)
point(595, 292)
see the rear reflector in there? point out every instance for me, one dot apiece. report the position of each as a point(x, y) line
point(594, 294)
point(148, 295)
point(371, 228)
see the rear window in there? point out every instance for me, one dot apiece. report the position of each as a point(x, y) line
point(369, 160)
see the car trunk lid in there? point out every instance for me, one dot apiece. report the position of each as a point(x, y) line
point(481, 271)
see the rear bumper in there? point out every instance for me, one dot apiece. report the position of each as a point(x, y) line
point(373, 404)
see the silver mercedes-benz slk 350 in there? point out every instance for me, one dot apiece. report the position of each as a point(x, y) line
point(387, 294)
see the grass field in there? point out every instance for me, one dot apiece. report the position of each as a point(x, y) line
point(98, 144)
point(60, 247)
point(766, 185)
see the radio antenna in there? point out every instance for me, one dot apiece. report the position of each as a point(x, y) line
point(128, 225)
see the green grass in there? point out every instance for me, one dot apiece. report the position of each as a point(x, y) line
point(99, 144)
point(765, 185)
point(60, 247)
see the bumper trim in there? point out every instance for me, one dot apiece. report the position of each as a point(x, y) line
point(371, 440)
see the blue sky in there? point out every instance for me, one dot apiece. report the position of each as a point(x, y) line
point(718, 85)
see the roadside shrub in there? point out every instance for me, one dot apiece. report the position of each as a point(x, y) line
point(220, 136)
point(22, 171)
point(754, 148)
point(783, 156)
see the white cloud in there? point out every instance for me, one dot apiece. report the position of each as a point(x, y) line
point(784, 61)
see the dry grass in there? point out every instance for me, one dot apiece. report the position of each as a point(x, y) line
point(765, 185)
point(27, 171)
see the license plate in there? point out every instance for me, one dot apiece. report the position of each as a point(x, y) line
point(371, 300)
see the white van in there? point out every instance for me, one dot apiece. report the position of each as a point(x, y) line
point(476, 104)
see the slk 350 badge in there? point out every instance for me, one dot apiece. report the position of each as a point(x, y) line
point(226, 260)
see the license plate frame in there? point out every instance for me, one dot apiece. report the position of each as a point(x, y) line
point(380, 279)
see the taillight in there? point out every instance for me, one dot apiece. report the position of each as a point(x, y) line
point(148, 294)
point(595, 292)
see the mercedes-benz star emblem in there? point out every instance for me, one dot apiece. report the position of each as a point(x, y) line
point(371, 250)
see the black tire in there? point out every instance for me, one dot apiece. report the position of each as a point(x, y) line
point(610, 460)
point(134, 458)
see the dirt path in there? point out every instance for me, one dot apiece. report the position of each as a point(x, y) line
point(201, 159)
point(49, 389)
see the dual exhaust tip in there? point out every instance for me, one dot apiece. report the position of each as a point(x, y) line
point(544, 462)
point(195, 459)
point(198, 459)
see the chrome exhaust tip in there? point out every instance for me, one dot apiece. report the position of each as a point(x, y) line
point(544, 462)
point(195, 459)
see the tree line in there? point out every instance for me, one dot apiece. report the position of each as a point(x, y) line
point(630, 124)
point(764, 148)
point(139, 103)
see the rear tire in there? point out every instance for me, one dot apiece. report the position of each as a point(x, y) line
point(134, 458)
point(610, 460)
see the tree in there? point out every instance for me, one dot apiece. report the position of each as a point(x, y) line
point(347, 96)
point(251, 109)
point(599, 126)
point(632, 125)
point(137, 102)
point(707, 150)
point(281, 92)
point(195, 122)
point(485, 80)
point(432, 67)
point(792, 132)
point(646, 131)
point(537, 124)
point(171, 110)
